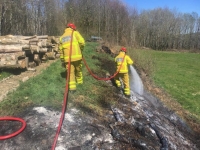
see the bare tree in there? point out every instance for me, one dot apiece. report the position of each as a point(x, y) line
point(160, 28)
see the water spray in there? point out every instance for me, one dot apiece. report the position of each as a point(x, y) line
point(135, 82)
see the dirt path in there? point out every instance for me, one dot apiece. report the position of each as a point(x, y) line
point(10, 83)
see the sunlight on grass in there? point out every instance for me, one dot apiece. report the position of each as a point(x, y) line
point(47, 89)
point(143, 60)
point(4, 74)
point(178, 74)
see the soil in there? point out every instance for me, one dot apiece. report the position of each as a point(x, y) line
point(139, 122)
point(10, 83)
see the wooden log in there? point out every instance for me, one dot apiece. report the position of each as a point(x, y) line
point(26, 47)
point(28, 38)
point(13, 41)
point(23, 63)
point(10, 48)
point(34, 48)
point(51, 55)
point(34, 40)
point(20, 54)
point(12, 56)
point(42, 43)
point(10, 59)
point(43, 50)
point(42, 37)
point(6, 62)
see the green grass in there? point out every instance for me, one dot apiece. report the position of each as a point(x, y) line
point(144, 60)
point(47, 89)
point(4, 74)
point(178, 74)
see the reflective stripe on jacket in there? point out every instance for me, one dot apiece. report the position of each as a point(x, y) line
point(127, 61)
point(65, 41)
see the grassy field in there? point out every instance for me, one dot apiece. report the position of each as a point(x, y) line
point(47, 89)
point(177, 73)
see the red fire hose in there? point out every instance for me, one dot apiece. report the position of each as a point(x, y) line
point(105, 79)
point(15, 133)
point(67, 89)
point(65, 96)
point(64, 103)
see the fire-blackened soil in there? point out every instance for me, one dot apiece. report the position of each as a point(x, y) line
point(140, 122)
point(135, 123)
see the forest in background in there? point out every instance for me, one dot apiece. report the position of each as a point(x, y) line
point(115, 22)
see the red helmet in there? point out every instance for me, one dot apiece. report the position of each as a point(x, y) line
point(71, 25)
point(123, 49)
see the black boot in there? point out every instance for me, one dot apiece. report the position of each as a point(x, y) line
point(119, 89)
point(127, 96)
point(72, 91)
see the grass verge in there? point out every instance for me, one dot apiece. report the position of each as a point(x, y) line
point(176, 73)
point(4, 73)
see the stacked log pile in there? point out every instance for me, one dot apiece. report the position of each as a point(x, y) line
point(18, 51)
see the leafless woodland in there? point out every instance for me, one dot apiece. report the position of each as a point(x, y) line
point(160, 28)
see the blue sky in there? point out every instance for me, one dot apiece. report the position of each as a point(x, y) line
point(184, 6)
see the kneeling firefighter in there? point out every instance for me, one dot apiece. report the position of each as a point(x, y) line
point(123, 60)
point(71, 42)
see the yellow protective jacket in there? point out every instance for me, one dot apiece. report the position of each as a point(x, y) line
point(127, 61)
point(78, 44)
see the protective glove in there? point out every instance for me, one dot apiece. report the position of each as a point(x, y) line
point(62, 59)
point(62, 62)
point(81, 47)
point(63, 65)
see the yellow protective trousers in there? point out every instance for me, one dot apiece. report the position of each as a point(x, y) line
point(125, 79)
point(76, 75)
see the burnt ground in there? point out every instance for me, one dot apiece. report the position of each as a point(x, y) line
point(140, 122)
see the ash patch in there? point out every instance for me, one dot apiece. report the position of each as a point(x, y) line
point(42, 125)
point(125, 126)
point(141, 122)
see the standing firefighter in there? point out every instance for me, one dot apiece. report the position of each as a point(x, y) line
point(71, 47)
point(123, 60)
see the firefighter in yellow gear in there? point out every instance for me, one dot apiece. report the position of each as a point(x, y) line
point(76, 42)
point(123, 60)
